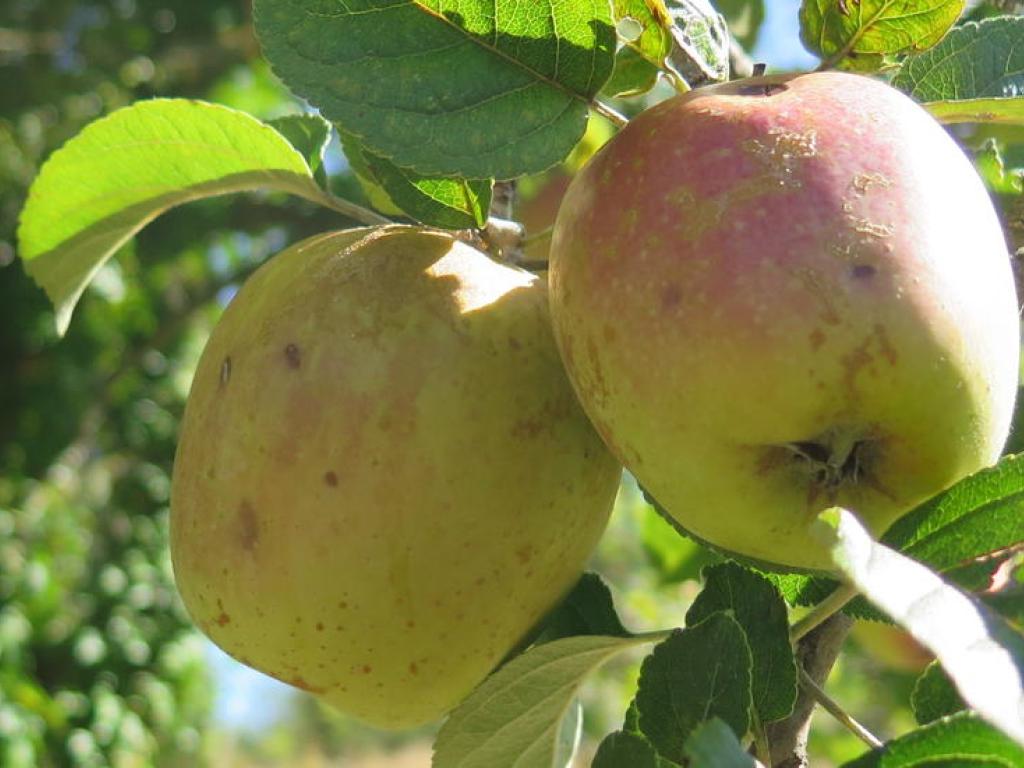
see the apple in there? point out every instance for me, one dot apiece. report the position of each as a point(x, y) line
point(383, 479)
point(537, 211)
point(785, 293)
point(891, 647)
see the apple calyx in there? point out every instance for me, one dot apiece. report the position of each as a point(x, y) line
point(836, 458)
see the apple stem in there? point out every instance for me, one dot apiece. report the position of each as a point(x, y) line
point(831, 706)
point(822, 611)
point(609, 113)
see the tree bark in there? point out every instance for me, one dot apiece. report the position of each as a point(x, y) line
point(816, 654)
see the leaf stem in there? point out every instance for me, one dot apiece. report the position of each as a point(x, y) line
point(822, 611)
point(832, 707)
point(676, 80)
point(609, 113)
point(762, 749)
point(353, 211)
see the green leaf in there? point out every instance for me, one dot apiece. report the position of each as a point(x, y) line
point(962, 738)
point(979, 515)
point(980, 652)
point(570, 732)
point(988, 160)
point(758, 607)
point(514, 716)
point(628, 750)
point(1008, 602)
point(700, 36)
point(125, 169)
point(983, 59)
point(745, 18)
point(676, 558)
point(801, 589)
point(714, 745)
point(654, 41)
point(437, 201)
point(631, 722)
point(633, 74)
point(699, 672)
point(587, 610)
point(934, 695)
point(473, 88)
point(861, 33)
point(1001, 111)
point(309, 134)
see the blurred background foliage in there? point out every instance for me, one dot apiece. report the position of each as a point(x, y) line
point(99, 664)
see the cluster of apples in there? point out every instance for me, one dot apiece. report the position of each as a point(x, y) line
point(766, 298)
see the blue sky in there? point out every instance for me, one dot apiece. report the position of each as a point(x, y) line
point(779, 43)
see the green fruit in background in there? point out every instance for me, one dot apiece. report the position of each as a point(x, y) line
point(384, 479)
point(781, 294)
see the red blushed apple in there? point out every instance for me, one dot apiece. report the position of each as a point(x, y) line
point(782, 294)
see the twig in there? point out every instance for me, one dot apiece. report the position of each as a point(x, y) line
point(607, 112)
point(822, 611)
point(533, 265)
point(816, 653)
point(503, 199)
point(540, 234)
point(832, 707)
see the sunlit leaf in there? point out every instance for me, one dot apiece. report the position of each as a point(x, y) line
point(474, 88)
point(980, 652)
point(122, 171)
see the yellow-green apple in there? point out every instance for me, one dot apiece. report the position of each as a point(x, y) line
point(785, 293)
point(891, 646)
point(384, 479)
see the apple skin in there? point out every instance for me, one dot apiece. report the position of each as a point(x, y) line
point(782, 294)
point(383, 479)
point(891, 646)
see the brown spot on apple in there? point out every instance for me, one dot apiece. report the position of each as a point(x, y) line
point(300, 682)
point(817, 338)
point(863, 271)
point(331, 478)
point(527, 428)
point(248, 526)
point(293, 356)
point(885, 345)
